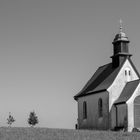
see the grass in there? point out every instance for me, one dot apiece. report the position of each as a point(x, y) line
point(16, 133)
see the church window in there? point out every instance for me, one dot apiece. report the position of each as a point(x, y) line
point(129, 72)
point(100, 107)
point(84, 110)
point(125, 72)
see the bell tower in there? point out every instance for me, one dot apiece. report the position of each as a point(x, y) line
point(120, 48)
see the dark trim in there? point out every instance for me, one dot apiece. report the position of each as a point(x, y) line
point(121, 54)
point(134, 67)
point(89, 93)
point(116, 116)
point(127, 41)
point(123, 102)
point(127, 115)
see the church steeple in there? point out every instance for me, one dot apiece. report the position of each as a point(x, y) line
point(120, 47)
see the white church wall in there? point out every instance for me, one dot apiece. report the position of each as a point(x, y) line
point(117, 86)
point(93, 121)
point(130, 104)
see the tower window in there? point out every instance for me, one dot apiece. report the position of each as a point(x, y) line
point(100, 107)
point(84, 110)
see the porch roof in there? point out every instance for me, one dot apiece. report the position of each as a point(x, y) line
point(127, 91)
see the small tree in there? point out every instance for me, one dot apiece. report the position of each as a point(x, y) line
point(33, 119)
point(10, 119)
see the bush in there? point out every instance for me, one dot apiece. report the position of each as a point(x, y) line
point(33, 119)
point(10, 119)
point(135, 130)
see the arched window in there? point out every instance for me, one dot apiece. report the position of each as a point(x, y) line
point(100, 107)
point(84, 110)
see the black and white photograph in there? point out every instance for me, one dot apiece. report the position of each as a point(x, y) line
point(69, 69)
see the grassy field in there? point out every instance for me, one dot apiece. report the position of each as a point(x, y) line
point(63, 134)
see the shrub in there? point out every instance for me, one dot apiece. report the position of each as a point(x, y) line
point(10, 119)
point(33, 119)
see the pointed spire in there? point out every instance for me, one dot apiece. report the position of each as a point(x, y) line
point(120, 25)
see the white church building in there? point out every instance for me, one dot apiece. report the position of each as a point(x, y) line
point(111, 98)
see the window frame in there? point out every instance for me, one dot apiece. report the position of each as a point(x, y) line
point(100, 107)
point(84, 110)
point(129, 72)
point(125, 72)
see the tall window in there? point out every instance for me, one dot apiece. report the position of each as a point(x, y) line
point(84, 110)
point(100, 107)
point(125, 72)
point(128, 74)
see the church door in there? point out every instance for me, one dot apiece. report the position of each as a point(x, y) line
point(121, 116)
point(137, 112)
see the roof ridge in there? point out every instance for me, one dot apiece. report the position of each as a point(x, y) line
point(129, 59)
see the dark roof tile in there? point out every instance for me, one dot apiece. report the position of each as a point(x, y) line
point(127, 91)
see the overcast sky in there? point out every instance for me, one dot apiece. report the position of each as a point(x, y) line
point(49, 49)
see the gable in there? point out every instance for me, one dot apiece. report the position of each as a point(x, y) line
point(120, 81)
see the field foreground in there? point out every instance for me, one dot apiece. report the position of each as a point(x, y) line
point(16, 133)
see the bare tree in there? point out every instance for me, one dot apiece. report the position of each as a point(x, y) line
point(10, 119)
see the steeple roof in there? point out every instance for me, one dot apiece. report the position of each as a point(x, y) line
point(121, 36)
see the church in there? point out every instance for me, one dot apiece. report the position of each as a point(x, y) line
point(111, 98)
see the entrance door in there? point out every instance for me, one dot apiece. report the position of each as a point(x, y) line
point(121, 116)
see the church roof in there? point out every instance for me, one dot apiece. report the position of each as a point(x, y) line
point(127, 91)
point(102, 79)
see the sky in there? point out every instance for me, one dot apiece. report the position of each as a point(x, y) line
point(49, 49)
